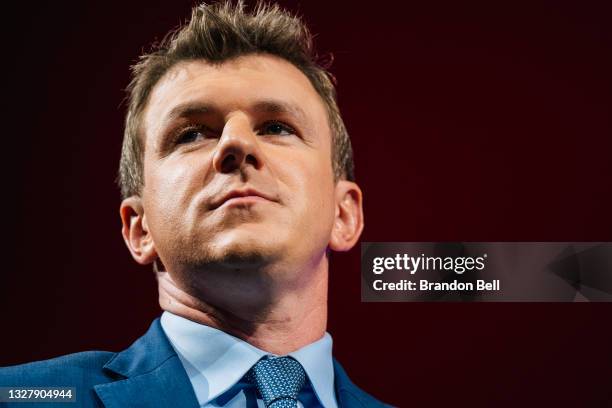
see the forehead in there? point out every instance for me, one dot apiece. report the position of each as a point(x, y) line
point(232, 85)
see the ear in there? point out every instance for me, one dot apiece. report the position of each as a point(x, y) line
point(136, 232)
point(348, 223)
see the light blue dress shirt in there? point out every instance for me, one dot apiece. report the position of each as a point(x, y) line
point(215, 363)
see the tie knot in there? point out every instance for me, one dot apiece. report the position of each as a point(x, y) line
point(278, 380)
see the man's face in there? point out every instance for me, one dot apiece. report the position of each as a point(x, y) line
point(237, 165)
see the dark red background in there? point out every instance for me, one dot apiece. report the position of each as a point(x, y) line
point(470, 121)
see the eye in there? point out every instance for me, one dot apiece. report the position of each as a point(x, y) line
point(276, 128)
point(193, 134)
point(189, 136)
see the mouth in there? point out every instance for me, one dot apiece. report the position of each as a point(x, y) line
point(241, 197)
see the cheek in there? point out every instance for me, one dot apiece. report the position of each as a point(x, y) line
point(167, 190)
point(314, 188)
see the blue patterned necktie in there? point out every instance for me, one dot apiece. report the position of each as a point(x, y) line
point(278, 380)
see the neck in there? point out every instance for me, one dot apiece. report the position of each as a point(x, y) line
point(275, 318)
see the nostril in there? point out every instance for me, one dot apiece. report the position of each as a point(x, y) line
point(229, 163)
point(250, 159)
point(232, 159)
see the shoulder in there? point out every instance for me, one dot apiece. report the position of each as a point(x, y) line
point(77, 368)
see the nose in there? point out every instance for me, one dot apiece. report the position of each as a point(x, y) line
point(237, 147)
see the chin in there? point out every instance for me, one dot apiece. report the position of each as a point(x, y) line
point(245, 249)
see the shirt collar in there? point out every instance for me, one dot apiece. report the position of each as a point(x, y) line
point(316, 358)
point(214, 368)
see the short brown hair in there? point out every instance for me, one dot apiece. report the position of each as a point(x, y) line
point(217, 33)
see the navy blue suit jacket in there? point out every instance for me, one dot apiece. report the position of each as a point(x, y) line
point(148, 374)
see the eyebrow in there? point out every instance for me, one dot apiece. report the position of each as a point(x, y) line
point(280, 107)
point(190, 109)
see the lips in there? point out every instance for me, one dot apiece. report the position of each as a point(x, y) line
point(239, 194)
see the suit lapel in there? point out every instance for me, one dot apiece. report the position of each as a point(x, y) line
point(151, 375)
point(348, 394)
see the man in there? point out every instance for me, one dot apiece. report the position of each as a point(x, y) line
point(237, 181)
